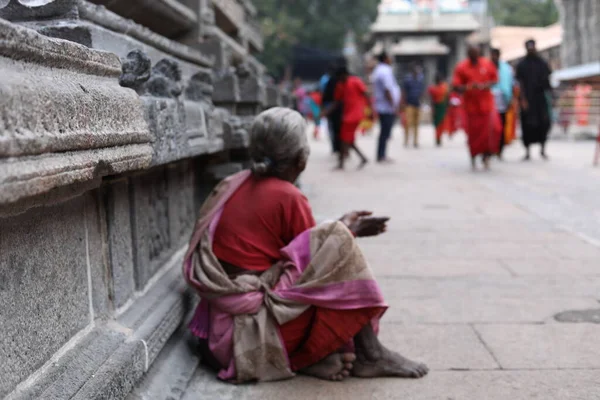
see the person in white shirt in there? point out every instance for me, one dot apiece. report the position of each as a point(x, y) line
point(387, 100)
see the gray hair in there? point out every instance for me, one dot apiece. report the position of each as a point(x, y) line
point(278, 141)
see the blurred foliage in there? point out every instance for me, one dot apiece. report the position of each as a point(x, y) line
point(524, 12)
point(321, 24)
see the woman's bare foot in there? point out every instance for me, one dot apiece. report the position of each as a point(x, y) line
point(389, 364)
point(334, 367)
point(373, 359)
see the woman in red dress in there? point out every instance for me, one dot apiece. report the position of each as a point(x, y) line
point(351, 95)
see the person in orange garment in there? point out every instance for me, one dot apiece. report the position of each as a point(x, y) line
point(474, 77)
point(351, 95)
point(439, 94)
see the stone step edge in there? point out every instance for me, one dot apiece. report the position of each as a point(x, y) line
point(88, 372)
point(173, 370)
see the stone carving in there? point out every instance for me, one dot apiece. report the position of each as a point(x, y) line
point(24, 10)
point(252, 87)
point(196, 126)
point(200, 87)
point(273, 96)
point(165, 79)
point(227, 90)
point(162, 80)
point(235, 130)
point(242, 69)
point(136, 70)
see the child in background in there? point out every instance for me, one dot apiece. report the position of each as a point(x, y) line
point(314, 101)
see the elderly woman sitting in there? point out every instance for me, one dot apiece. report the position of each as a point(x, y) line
point(280, 294)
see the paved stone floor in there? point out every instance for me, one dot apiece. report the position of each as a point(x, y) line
point(474, 267)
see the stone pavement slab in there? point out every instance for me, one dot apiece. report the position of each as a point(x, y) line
point(465, 310)
point(552, 266)
point(544, 346)
point(441, 347)
point(487, 286)
point(446, 385)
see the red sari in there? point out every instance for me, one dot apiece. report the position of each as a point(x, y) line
point(482, 122)
point(351, 94)
point(260, 218)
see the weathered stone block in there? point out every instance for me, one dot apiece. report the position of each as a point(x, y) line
point(182, 211)
point(118, 221)
point(252, 89)
point(216, 129)
point(218, 51)
point(286, 99)
point(62, 97)
point(64, 378)
point(166, 17)
point(98, 256)
point(227, 89)
point(166, 120)
point(123, 35)
point(44, 293)
point(196, 127)
point(61, 103)
point(273, 96)
point(235, 131)
point(22, 10)
point(152, 245)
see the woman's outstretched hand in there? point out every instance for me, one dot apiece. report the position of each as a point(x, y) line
point(362, 224)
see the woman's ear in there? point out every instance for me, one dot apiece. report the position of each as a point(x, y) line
point(301, 163)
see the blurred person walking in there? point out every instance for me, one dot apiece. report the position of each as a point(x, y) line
point(474, 77)
point(301, 97)
point(533, 74)
point(351, 97)
point(503, 91)
point(440, 97)
point(413, 88)
point(386, 98)
point(334, 116)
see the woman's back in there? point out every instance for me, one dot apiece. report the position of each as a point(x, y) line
point(261, 217)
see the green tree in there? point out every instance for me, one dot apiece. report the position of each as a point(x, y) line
point(524, 12)
point(317, 23)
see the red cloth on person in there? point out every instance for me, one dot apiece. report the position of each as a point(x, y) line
point(476, 101)
point(351, 94)
point(482, 123)
point(348, 132)
point(483, 132)
point(318, 332)
point(259, 219)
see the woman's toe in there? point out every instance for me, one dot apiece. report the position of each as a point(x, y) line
point(348, 357)
point(348, 366)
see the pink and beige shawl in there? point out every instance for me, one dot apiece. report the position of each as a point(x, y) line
point(240, 316)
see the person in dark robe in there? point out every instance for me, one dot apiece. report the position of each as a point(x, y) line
point(533, 74)
point(334, 118)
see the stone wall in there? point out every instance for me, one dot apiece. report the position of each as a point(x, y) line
point(581, 26)
point(115, 123)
